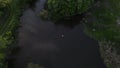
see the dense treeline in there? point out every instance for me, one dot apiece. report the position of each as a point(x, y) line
point(3, 40)
point(61, 8)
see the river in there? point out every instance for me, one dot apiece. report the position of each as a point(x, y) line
point(54, 46)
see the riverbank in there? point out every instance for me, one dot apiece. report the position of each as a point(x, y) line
point(102, 24)
point(8, 29)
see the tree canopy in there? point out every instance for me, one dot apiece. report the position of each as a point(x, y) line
point(62, 8)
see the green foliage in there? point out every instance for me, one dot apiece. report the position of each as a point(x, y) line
point(8, 27)
point(63, 8)
point(103, 25)
point(4, 3)
point(105, 22)
point(44, 14)
point(32, 65)
point(3, 43)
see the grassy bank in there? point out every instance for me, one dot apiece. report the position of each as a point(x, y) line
point(9, 26)
point(103, 24)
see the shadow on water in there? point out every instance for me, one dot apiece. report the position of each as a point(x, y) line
point(32, 4)
point(71, 21)
point(11, 55)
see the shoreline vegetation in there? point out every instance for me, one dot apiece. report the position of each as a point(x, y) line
point(8, 28)
point(102, 24)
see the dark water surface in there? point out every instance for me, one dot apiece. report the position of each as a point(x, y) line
point(51, 46)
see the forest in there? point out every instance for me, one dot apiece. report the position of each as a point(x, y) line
point(100, 19)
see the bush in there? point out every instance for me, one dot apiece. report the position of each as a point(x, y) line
point(3, 43)
point(4, 3)
point(63, 8)
point(1, 13)
point(44, 14)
